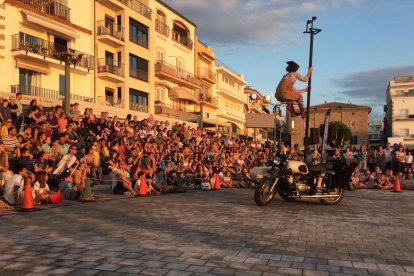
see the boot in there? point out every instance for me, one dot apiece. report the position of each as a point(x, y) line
point(291, 109)
point(302, 110)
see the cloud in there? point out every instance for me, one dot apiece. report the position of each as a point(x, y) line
point(370, 86)
point(249, 23)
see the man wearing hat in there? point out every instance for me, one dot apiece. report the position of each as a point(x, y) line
point(285, 92)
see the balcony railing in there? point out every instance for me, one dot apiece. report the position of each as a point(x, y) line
point(206, 73)
point(163, 67)
point(138, 74)
point(404, 117)
point(110, 66)
point(111, 101)
point(161, 27)
point(50, 7)
point(32, 44)
point(184, 40)
point(138, 107)
point(138, 7)
point(46, 93)
point(178, 111)
point(140, 40)
point(112, 29)
point(207, 99)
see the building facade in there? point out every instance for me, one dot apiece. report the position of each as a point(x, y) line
point(354, 116)
point(376, 132)
point(38, 39)
point(176, 83)
point(399, 110)
point(256, 104)
point(124, 47)
point(231, 98)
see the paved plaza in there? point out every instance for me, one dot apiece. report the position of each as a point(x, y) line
point(212, 233)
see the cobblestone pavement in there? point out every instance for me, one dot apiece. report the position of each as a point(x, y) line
point(213, 233)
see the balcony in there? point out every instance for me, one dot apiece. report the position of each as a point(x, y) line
point(48, 94)
point(233, 115)
point(175, 111)
point(117, 5)
point(25, 45)
point(207, 75)
point(111, 101)
point(162, 28)
point(111, 34)
point(110, 70)
point(404, 117)
point(170, 72)
point(183, 40)
point(50, 7)
point(229, 91)
point(138, 107)
point(208, 100)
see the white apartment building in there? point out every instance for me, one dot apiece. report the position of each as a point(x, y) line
point(376, 132)
point(399, 117)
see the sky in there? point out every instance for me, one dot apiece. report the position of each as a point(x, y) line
point(362, 46)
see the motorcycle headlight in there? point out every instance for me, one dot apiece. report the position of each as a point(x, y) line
point(277, 161)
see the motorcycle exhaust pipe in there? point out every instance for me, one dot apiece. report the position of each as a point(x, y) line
point(318, 196)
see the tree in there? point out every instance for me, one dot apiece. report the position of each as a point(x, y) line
point(338, 134)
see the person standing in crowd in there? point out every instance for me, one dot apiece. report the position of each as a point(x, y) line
point(400, 159)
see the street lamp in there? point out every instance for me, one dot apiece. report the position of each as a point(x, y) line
point(203, 94)
point(277, 112)
point(312, 31)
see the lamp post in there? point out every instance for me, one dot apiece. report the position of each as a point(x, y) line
point(276, 112)
point(312, 31)
point(202, 98)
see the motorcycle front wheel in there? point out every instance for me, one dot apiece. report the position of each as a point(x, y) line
point(334, 201)
point(263, 194)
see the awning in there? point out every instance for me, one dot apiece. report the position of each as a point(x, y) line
point(183, 94)
point(33, 65)
point(51, 24)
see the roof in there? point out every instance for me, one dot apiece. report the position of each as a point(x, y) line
point(176, 12)
point(341, 105)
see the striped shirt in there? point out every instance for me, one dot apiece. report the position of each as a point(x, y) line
point(10, 143)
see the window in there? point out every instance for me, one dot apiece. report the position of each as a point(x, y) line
point(404, 132)
point(138, 33)
point(138, 100)
point(354, 140)
point(404, 113)
point(181, 34)
point(399, 93)
point(160, 96)
point(353, 124)
point(138, 67)
point(160, 54)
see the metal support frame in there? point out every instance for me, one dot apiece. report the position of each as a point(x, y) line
point(312, 31)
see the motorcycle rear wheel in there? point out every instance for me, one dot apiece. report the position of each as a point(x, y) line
point(262, 193)
point(334, 201)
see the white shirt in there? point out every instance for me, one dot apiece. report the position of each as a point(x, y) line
point(16, 180)
point(408, 159)
point(36, 187)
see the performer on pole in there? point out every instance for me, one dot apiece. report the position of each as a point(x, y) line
point(285, 92)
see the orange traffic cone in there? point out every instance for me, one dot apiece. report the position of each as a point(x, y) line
point(142, 186)
point(397, 186)
point(28, 203)
point(217, 182)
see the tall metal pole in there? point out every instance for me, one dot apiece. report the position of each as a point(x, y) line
point(312, 31)
point(66, 104)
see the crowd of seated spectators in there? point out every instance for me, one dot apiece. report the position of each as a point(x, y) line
point(58, 151)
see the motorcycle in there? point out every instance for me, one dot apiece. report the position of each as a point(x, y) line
point(296, 180)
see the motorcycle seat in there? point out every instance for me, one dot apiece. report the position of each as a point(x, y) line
point(317, 168)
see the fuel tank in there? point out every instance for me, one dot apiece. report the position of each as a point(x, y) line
point(297, 167)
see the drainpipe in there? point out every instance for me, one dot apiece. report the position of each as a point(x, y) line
point(94, 52)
